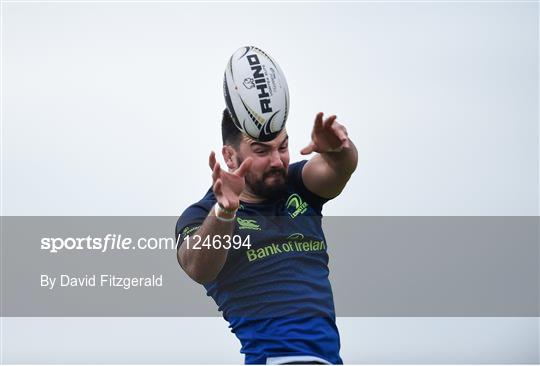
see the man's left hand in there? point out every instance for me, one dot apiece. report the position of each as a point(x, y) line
point(327, 136)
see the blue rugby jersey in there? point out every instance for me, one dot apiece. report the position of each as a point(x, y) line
point(276, 295)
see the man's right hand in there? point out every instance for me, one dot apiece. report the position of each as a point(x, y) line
point(228, 186)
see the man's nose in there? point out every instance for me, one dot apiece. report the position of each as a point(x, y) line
point(275, 160)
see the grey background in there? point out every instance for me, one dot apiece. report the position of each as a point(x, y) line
point(206, 340)
point(112, 109)
point(100, 100)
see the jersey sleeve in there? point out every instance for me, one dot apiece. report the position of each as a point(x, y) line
point(191, 219)
point(295, 177)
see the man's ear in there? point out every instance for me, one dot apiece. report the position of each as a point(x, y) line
point(229, 157)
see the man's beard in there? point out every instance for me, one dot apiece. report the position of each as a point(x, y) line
point(259, 187)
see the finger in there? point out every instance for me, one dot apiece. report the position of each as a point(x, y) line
point(308, 149)
point(218, 192)
point(216, 172)
point(244, 167)
point(318, 122)
point(330, 121)
point(212, 160)
point(341, 135)
point(217, 188)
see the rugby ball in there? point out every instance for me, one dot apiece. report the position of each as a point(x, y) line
point(256, 93)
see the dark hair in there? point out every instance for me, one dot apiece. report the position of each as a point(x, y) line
point(230, 134)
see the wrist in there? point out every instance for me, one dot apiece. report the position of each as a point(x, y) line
point(223, 213)
point(334, 150)
point(228, 210)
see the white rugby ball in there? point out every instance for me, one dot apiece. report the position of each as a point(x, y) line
point(256, 93)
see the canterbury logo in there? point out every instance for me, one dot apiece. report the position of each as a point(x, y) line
point(295, 205)
point(296, 236)
point(247, 224)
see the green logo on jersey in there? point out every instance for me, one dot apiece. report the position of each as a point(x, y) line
point(296, 236)
point(302, 246)
point(247, 224)
point(189, 229)
point(295, 205)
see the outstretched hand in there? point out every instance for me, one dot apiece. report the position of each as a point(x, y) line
point(228, 186)
point(327, 136)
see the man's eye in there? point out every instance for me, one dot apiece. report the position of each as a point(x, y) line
point(283, 148)
point(260, 151)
